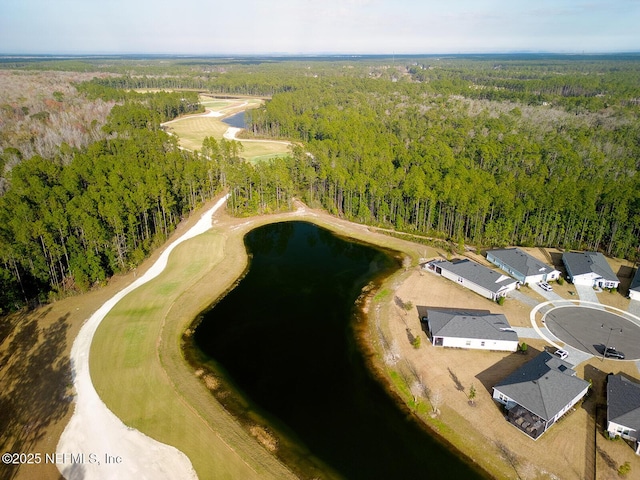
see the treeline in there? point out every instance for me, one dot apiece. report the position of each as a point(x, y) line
point(575, 83)
point(165, 105)
point(462, 150)
point(65, 225)
point(470, 170)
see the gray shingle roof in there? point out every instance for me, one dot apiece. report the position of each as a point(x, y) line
point(623, 401)
point(478, 274)
point(461, 324)
point(521, 261)
point(635, 283)
point(544, 386)
point(580, 263)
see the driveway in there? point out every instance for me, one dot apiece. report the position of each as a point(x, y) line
point(587, 293)
point(634, 308)
point(551, 296)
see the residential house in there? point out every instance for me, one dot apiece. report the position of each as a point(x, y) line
point(589, 268)
point(539, 393)
point(475, 277)
point(634, 288)
point(623, 409)
point(470, 329)
point(523, 267)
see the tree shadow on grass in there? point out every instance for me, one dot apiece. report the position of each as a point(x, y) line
point(456, 381)
point(36, 384)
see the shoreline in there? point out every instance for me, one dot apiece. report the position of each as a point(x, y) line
point(490, 453)
point(376, 367)
point(251, 416)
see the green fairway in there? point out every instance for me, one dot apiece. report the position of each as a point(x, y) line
point(256, 151)
point(192, 130)
point(138, 369)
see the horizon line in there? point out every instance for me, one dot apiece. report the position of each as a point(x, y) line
point(314, 54)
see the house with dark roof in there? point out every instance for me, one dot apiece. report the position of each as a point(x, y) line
point(523, 267)
point(634, 288)
point(470, 329)
point(623, 409)
point(589, 268)
point(475, 277)
point(540, 392)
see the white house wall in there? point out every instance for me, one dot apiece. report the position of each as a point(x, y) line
point(553, 275)
point(478, 344)
point(585, 279)
point(593, 279)
point(615, 429)
point(634, 295)
point(531, 279)
point(502, 398)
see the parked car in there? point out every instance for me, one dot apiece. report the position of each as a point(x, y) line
point(561, 353)
point(545, 286)
point(611, 352)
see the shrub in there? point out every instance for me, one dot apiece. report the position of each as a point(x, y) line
point(624, 469)
point(500, 300)
point(416, 342)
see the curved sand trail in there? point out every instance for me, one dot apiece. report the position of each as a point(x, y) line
point(94, 432)
point(231, 133)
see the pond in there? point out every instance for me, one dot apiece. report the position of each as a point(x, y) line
point(285, 338)
point(235, 120)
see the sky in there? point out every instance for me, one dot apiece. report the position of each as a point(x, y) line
point(247, 27)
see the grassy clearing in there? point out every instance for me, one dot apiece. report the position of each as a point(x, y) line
point(138, 369)
point(192, 130)
point(257, 151)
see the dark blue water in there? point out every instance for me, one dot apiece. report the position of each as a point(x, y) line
point(285, 337)
point(236, 120)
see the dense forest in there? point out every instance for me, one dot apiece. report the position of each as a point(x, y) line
point(71, 220)
point(469, 169)
point(491, 151)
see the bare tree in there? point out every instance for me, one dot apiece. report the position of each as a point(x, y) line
point(392, 356)
point(436, 400)
point(417, 390)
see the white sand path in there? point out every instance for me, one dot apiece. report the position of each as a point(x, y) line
point(94, 431)
point(231, 133)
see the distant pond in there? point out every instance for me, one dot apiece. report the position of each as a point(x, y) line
point(235, 120)
point(284, 339)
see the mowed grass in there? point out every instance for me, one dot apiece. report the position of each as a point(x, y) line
point(192, 130)
point(139, 371)
point(255, 151)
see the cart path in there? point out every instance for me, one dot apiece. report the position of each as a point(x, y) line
point(94, 431)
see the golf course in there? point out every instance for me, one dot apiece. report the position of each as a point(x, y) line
point(192, 130)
